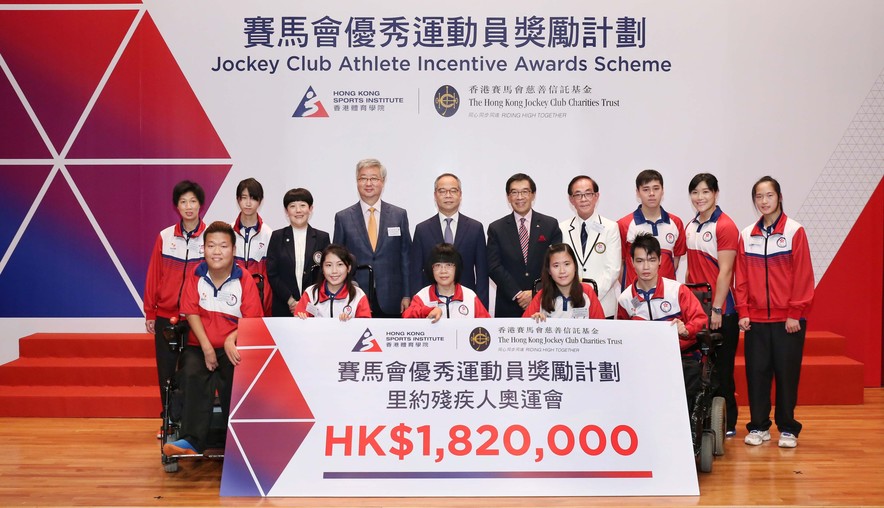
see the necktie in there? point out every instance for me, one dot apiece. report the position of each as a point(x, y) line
point(448, 236)
point(523, 238)
point(583, 236)
point(372, 229)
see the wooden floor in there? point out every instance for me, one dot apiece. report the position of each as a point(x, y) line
point(840, 461)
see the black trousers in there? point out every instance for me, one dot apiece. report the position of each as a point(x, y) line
point(773, 353)
point(198, 385)
point(166, 360)
point(724, 365)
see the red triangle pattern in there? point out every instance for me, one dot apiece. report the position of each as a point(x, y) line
point(20, 137)
point(59, 79)
point(275, 395)
point(254, 332)
point(270, 446)
point(132, 119)
point(252, 360)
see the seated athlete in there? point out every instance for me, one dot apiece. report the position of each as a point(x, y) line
point(335, 295)
point(562, 294)
point(653, 297)
point(215, 296)
point(445, 298)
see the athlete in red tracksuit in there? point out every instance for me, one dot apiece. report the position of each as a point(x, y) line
point(445, 298)
point(562, 294)
point(774, 289)
point(335, 295)
point(253, 237)
point(177, 251)
point(711, 238)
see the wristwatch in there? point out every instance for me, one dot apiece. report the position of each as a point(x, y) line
point(716, 310)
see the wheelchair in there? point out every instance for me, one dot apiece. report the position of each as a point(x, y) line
point(707, 412)
point(176, 336)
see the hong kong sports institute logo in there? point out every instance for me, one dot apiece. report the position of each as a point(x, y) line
point(367, 343)
point(310, 107)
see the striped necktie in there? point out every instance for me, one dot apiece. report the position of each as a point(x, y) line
point(523, 238)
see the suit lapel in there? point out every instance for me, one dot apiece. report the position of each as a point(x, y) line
point(513, 232)
point(309, 247)
point(383, 221)
point(462, 230)
point(359, 223)
point(289, 242)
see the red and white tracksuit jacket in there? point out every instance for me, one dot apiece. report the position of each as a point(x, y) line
point(704, 242)
point(671, 300)
point(221, 308)
point(774, 275)
point(463, 304)
point(322, 304)
point(174, 255)
point(669, 231)
point(251, 254)
point(591, 309)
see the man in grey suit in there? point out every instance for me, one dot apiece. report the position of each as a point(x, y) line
point(517, 244)
point(377, 234)
point(450, 226)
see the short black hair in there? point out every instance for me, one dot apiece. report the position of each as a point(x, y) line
point(595, 185)
point(256, 190)
point(219, 226)
point(699, 178)
point(646, 176)
point(645, 241)
point(183, 187)
point(519, 177)
point(444, 253)
point(297, 194)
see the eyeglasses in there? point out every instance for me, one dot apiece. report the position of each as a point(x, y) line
point(440, 266)
point(516, 193)
point(454, 191)
point(368, 179)
point(584, 195)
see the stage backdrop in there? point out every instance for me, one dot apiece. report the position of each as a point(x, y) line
point(105, 106)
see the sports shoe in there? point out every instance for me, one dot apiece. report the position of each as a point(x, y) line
point(756, 437)
point(730, 433)
point(788, 440)
point(180, 447)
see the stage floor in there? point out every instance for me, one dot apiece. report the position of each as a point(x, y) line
point(46, 461)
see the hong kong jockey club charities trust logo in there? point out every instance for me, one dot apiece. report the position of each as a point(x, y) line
point(310, 106)
point(446, 101)
point(480, 339)
point(367, 343)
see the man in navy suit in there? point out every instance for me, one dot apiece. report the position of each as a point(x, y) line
point(292, 252)
point(450, 226)
point(377, 234)
point(517, 244)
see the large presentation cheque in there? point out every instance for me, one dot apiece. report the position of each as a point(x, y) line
point(463, 407)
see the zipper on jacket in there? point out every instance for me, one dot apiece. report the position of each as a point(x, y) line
point(766, 277)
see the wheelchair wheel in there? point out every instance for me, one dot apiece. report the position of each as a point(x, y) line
point(718, 419)
point(707, 444)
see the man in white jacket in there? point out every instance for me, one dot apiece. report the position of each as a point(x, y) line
point(595, 240)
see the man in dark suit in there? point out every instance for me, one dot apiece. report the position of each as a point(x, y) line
point(516, 247)
point(450, 226)
point(377, 233)
point(292, 252)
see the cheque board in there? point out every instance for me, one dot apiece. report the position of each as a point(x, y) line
point(462, 407)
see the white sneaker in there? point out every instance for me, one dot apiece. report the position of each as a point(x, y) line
point(788, 440)
point(756, 437)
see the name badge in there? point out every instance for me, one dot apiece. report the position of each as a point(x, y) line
point(582, 313)
point(312, 309)
point(394, 231)
point(636, 302)
point(595, 226)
